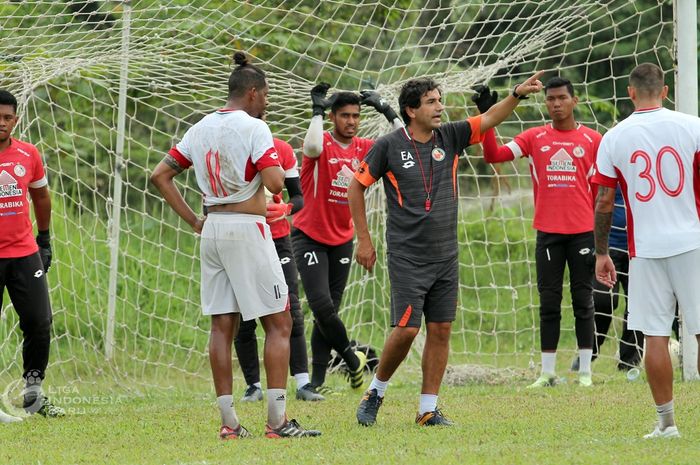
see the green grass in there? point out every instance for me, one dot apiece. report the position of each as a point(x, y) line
point(503, 424)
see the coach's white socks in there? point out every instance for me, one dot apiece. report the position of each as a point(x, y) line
point(228, 414)
point(549, 363)
point(380, 386)
point(428, 403)
point(302, 380)
point(665, 413)
point(276, 407)
point(584, 360)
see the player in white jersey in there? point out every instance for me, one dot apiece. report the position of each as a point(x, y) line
point(233, 156)
point(654, 155)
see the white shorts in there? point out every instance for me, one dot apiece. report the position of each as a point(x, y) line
point(655, 284)
point(241, 271)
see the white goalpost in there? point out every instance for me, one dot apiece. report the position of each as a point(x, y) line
point(107, 87)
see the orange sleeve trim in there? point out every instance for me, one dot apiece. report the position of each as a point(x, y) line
point(406, 316)
point(363, 176)
point(454, 177)
point(395, 183)
point(475, 124)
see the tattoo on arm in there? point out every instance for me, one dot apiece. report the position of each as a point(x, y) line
point(603, 220)
point(172, 163)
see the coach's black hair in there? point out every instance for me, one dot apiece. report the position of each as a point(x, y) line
point(344, 98)
point(7, 98)
point(557, 82)
point(648, 79)
point(411, 93)
point(244, 77)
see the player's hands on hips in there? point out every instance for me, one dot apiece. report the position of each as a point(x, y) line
point(198, 225)
point(605, 270)
point(484, 98)
point(319, 102)
point(531, 85)
point(365, 254)
point(43, 240)
point(277, 210)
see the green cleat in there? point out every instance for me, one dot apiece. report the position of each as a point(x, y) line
point(545, 380)
point(585, 380)
point(355, 377)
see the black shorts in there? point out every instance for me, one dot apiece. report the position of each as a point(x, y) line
point(419, 289)
point(26, 283)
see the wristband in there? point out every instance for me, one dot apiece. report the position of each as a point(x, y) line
point(518, 96)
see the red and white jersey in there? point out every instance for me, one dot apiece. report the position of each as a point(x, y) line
point(21, 167)
point(228, 149)
point(326, 216)
point(655, 155)
point(289, 164)
point(561, 164)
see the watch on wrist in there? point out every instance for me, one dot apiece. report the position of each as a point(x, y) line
point(518, 96)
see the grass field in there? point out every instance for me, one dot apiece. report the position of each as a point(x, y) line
point(495, 425)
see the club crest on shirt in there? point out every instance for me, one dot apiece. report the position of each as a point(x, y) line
point(8, 186)
point(20, 171)
point(561, 161)
point(579, 152)
point(438, 154)
point(355, 164)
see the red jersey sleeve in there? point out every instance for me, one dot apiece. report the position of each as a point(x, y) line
point(38, 175)
point(285, 151)
point(492, 152)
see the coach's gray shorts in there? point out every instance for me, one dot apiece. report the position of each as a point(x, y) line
point(419, 289)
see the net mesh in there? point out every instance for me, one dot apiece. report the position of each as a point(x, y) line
point(63, 60)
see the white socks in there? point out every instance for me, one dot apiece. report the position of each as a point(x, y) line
point(549, 362)
point(665, 413)
point(584, 360)
point(228, 414)
point(302, 380)
point(428, 403)
point(276, 407)
point(380, 386)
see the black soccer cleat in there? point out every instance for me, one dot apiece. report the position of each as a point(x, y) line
point(434, 418)
point(368, 408)
point(290, 429)
point(309, 393)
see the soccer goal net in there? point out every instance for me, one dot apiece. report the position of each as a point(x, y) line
point(106, 88)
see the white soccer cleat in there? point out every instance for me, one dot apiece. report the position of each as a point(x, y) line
point(6, 418)
point(669, 433)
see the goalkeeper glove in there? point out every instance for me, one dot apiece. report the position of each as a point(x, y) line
point(484, 98)
point(277, 210)
point(319, 102)
point(373, 99)
point(43, 240)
